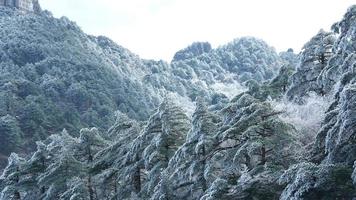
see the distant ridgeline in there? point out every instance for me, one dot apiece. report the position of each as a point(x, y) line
point(23, 5)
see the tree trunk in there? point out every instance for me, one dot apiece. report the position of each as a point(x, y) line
point(204, 184)
point(43, 188)
point(17, 195)
point(137, 179)
point(248, 161)
point(115, 187)
point(90, 188)
point(263, 155)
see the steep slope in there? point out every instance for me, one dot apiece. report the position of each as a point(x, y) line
point(313, 59)
point(54, 76)
point(329, 172)
point(339, 130)
point(245, 147)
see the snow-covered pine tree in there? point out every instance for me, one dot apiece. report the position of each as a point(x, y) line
point(32, 169)
point(63, 168)
point(77, 190)
point(115, 174)
point(314, 58)
point(59, 174)
point(165, 131)
point(10, 179)
point(10, 137)
point(90, 143)
point(186, 168)
point(328, 174)
point(280, 84)
point(311, 181)
point(254, 148)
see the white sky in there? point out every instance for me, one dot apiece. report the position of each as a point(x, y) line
point(156, 29)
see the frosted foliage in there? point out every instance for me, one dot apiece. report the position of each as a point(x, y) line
point(299, 179)
point(313, 59)
point(306, 118)
point(347, 130)
point(54, 76)
point(252, 138)
point(58, 172)
point(163, 135)
point(344, 48)
point(123, 129)
point(340, 137)
point(188, 166)
point(192, 51)
point(312, 181)
point(10, 178)
point(229, 89)
point(335, 141)
point(110, 162)
point(222, 130)
point(183, 102)
point(77, 190)
point(335, 145)
point(217, 189)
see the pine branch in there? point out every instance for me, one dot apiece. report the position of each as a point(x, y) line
point(184, 185)
point(264, 117)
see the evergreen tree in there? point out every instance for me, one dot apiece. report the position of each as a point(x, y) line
point(10, 137)
point(58, 175)
point(77, 190)
point(33, 168)
point(253, 148)
point(314, 58)
point(310, 181)
point(114, 172)
point(63, 168)
point(280, 84)
point(90, 143)
point(245, 150)
point(160, 139)
point(187, 167)
point(10, 179)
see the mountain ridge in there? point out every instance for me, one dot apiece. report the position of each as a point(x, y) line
point(71, 80)
point(286, 132)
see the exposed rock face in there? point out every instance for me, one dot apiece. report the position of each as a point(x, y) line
point(23, 5)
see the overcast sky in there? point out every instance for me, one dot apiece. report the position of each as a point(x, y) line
point(156, 29)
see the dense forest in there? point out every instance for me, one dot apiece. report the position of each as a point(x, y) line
point(55, 77)
point(90, 120)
